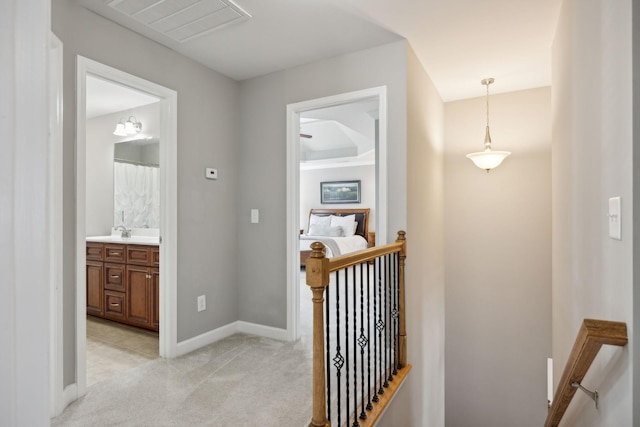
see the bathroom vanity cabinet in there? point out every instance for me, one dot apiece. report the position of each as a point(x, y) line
point(123, 283)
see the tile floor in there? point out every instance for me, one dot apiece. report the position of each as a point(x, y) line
point(113, 348)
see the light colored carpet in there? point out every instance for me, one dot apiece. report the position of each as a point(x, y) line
point(239, 381)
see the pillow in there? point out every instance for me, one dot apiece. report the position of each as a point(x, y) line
point(346, 222)
point(323, 230)
point(320, 220)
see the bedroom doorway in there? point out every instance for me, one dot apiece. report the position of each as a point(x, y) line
point(340, 138)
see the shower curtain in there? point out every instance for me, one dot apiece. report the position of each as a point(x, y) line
point(136, 196)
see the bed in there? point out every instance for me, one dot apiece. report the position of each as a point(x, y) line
point(336, 245)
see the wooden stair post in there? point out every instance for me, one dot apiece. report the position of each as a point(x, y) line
point(318, 279)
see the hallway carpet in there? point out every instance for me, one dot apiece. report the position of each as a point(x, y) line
point(240, 381)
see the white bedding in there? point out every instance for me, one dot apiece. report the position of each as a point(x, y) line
point(336, 246)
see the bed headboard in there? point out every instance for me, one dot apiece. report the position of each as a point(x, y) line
point(362, 218)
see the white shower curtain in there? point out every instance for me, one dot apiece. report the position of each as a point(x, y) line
point(136, 196)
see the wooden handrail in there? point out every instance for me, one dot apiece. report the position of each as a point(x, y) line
point(318, 269)
point(592, 335)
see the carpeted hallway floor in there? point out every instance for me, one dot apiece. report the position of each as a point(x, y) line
point(240, 381)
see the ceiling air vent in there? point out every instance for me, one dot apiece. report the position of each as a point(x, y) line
point(182, 20)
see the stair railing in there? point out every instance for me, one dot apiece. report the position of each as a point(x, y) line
point(359, 345)
point(592, 335)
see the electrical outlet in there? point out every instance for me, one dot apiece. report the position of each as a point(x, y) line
point(255, 216)
point(202, 303)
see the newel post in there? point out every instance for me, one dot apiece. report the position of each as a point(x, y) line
point(402, 359)
point(317, 266)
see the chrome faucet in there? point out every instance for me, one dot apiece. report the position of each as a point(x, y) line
point(125, 233)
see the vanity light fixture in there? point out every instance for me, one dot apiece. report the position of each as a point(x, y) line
point(131, 127)
point(488, 159)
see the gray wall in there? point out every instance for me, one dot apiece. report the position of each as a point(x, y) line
point(592, 161)
point(498, 262)
point(262, 281)
point(207, 130)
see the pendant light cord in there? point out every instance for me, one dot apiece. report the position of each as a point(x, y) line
point(487, 135)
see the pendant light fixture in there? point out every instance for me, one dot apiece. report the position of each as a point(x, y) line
point(488, 159)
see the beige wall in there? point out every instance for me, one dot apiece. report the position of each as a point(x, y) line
point(420, 402)
point(498, 262)
point(592, 161)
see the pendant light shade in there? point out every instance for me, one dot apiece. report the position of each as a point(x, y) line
point(488, 159)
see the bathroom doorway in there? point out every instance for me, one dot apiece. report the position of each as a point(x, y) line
point(97, 210)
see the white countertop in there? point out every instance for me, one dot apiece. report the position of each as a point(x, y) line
point(135, 239)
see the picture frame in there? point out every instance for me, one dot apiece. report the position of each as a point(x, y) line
point(332, 192)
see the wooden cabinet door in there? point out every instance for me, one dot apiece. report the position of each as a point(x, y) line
point(155, 299)
point(138, 296)
point(95, 288)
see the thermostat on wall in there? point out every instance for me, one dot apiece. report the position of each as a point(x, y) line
point(211, 173)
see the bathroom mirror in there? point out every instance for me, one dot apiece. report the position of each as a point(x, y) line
point(136, 187)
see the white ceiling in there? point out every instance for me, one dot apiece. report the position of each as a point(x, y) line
point(106, 97)
point(459, 42)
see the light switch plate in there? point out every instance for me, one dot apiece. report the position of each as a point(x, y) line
point(615, 218)
point(255, 216)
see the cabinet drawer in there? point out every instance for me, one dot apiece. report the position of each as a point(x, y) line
point(95, 251)
point(114, 305)
point(114, 252)
point(155, 256)
point(139, 255)
point(114, 277)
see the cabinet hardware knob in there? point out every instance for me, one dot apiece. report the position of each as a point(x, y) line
point(115, 276)
point(115, 253)
point(113, 304)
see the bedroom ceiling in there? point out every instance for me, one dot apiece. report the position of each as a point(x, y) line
point(459, 42)
point(340, 135)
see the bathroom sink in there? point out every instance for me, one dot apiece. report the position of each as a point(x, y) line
point(133, 240)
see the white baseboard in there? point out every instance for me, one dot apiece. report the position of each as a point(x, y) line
point(207, 338)
point(69, 395)
point(70, 392)
point(222, 332)
point(262, 330)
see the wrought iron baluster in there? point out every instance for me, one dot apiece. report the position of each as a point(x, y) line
point(369, 405)
point(338, 360)
point(380, 324)
point(376, 341)
point(362, 341)
point(355, 341)
point(387, 315)
point(346, 341)
point(328, 350)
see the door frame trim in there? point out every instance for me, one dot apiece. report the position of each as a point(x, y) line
point(293, 187)
point(168, 208)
